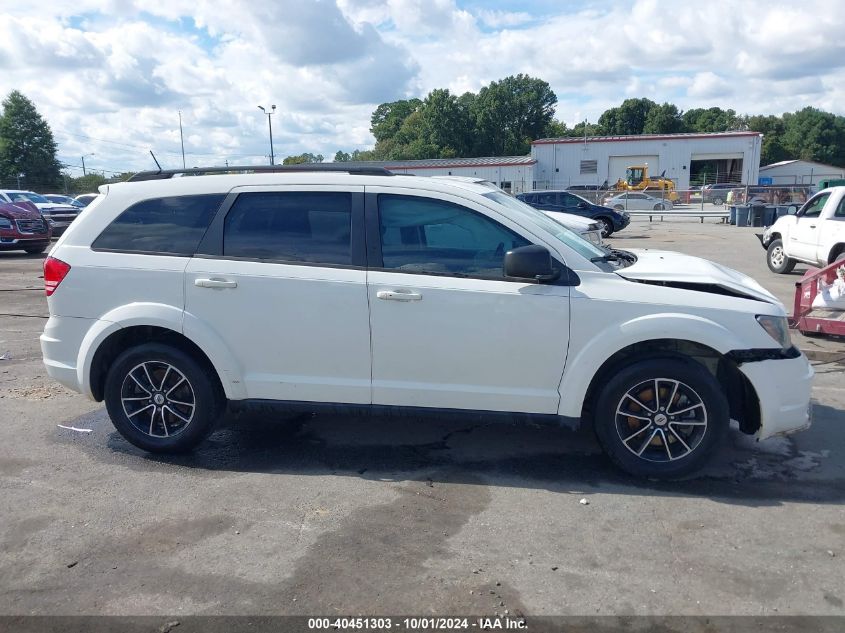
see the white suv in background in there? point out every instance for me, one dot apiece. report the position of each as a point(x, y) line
point(172, 296)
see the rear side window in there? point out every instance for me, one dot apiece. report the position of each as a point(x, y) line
point(309, 226)
point(169, 226)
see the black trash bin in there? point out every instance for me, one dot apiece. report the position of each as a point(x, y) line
point(757, 215)
point(770, 215)
point(742, 214)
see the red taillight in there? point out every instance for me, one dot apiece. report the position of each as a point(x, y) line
point(54, 271)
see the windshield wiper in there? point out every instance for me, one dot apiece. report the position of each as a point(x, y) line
point(610, 257)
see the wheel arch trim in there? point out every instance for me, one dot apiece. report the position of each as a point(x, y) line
point(169, 318)
point(583, 367)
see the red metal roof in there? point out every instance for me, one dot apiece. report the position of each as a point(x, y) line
point(639, 137)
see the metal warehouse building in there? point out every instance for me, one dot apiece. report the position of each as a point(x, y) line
point(512, 173)
point(688, 159)
point(798, 172)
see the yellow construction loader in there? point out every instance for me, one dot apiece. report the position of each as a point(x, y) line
point(637, 179)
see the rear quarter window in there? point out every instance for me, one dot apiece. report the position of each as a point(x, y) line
point(168, 226)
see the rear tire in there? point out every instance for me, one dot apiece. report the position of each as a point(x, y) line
point(160, 399)
point(718, 202)
point(674, 427)
point(777, 259)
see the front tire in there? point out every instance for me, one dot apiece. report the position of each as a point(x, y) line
point(606, 225)
point(661, 418)
point(777, 259)
point(718, 202)
point(659, 207)
point(161, 399)
point(36, 250)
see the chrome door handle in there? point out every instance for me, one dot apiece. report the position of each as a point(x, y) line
point(215, 283)
point(395, 295)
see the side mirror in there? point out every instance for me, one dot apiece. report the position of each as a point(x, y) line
point(531, 263)
point(583, 205)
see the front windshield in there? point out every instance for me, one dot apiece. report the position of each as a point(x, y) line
point(532, 215)
point(28, 197)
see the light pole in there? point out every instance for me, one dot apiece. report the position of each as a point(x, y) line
point(182, 139)
point(270, 125)
point(84, 173)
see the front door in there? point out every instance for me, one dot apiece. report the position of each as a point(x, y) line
point(448, 330)
point(285, 288)
point(804, 236)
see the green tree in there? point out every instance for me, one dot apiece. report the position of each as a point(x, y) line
point(511, 113)
point(342, 157)
point(87, 184)
point(812, 134)
point(445, 122)
point(771, 127)
point(389, 117)
point(628, 118)
point(302, 159)
point(708, 120)
point(27, 145)
point(663, 119)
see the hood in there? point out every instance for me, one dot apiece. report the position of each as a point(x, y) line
point(685, 271)
point(15, 212)
point(54, 206)
point(570, 221)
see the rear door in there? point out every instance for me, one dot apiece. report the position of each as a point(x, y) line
point(448, 330)
point(281, 280)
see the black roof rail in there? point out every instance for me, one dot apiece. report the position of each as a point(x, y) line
point(164, 174)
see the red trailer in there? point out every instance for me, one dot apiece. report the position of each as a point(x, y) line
point(809, 320)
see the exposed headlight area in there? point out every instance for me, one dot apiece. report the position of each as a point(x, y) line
point(776, 327)
point(5, 223)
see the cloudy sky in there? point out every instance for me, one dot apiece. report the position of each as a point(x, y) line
point(111, 76)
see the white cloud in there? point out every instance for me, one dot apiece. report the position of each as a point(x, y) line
point(118, 70)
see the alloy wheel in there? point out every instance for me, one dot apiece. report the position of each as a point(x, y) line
point(661, 420)
point(158, 399)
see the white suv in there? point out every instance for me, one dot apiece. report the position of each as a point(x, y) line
point(172, 296)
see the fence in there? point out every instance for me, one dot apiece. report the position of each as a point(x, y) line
point(718, 195)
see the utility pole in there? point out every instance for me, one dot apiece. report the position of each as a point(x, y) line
point(270, 124)
point(182, 139)
point(85, 173)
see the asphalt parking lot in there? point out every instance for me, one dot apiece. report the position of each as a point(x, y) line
point(328, 515)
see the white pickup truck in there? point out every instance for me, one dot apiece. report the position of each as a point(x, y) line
point(814, 235)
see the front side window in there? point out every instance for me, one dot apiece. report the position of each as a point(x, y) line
point(169, 226)
point(290, 226)
point(423, 235)
point(814, 207)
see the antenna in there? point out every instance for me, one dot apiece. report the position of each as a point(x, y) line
point(156, 160)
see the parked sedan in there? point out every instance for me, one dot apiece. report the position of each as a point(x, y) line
point(636, 201)
point(589, 230)
point(565, 202)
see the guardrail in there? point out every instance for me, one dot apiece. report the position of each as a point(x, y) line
point(682, 213)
